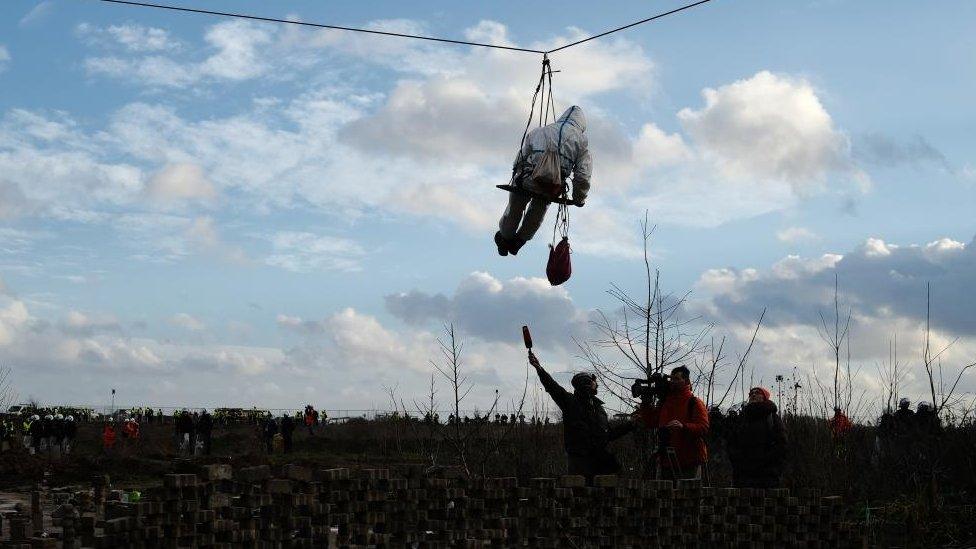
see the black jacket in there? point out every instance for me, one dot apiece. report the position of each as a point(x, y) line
point(586, 427)
point(757, 442)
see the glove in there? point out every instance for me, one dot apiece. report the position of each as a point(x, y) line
point(579, 203)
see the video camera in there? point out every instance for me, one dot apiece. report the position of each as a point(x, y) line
point(655, 388)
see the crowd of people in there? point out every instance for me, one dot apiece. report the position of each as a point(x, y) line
point(754, 436)
point(52, 433)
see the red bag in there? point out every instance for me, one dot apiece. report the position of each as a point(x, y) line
point(559, 268)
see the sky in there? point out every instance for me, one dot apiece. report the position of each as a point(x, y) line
point(202, 211)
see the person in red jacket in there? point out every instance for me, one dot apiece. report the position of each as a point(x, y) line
point(682, 422)
point(108, 437)
point(839, 424)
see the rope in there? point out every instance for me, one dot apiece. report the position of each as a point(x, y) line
point(546, 72)
point(319, 25)
point(634, 24)
point(398, 34)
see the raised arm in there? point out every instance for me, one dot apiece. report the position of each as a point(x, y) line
point(559, 395)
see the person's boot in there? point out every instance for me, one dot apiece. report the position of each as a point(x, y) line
point(515, 244)
point(502, 244)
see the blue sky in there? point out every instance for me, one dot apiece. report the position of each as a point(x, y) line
point(203, 210)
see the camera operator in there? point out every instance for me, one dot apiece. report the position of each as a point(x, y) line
point(586, 427)
point(681, 421)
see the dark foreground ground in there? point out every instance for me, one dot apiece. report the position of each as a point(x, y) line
point(912, 499)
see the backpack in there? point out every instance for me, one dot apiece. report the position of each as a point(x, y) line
point(546, 176)
point(559, 268)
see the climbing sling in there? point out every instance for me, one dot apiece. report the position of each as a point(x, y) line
point(545, 181)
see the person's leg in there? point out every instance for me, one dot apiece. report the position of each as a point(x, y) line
point(534, 216)
point(510, 220)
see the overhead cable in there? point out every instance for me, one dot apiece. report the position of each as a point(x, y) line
point(399, 34)
point(319, 25)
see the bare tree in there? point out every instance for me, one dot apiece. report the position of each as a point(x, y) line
point(944, 396)
point(648, 335)
point(740, 367)
point(892, 374)
point(835, 337)
point(451, 370)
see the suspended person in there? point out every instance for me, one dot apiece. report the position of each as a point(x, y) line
point(757, 443)
point(524, 214)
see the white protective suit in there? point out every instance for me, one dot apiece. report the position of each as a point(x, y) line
point(575, 156)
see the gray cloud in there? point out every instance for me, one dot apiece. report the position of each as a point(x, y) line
point(492, 310)
point(877, 279)
point(881, 150)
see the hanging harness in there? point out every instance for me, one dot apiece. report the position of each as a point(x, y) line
point(516, 184)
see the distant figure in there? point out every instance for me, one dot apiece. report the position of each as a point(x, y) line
point(926, 420)
point(586, 427)
point(70, 432)
point(204, 430)
point(904, 413)
point(310, 419)
point(108, 437)
point(287, 429)
point(568, 135)
point(757, 444)
point(840, 424)
point(269, 430)
point(130, 428)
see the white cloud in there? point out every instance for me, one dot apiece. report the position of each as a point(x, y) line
point(79, 323)
point(132, 37)
point(235, 48)
point(180, 182)
point(794, 235)
point(188, 322)
point(305, 252)
point(769, 126)
point(653, 148)
point(360, 343)
point(13, 317)
point(4, 57)
point(76, 176)
point(37, 13)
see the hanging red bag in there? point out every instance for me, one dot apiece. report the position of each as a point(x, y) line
point(559, 268)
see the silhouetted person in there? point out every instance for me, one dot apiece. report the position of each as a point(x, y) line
point(287, 429)
point(757, 444)
point(269, 430)
point(204, 430)
point(586, 426)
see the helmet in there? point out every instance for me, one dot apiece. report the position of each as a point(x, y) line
point(35, 417)
point(924, 406)
point(70, 418)
point(58, 416)
point(49, 417)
